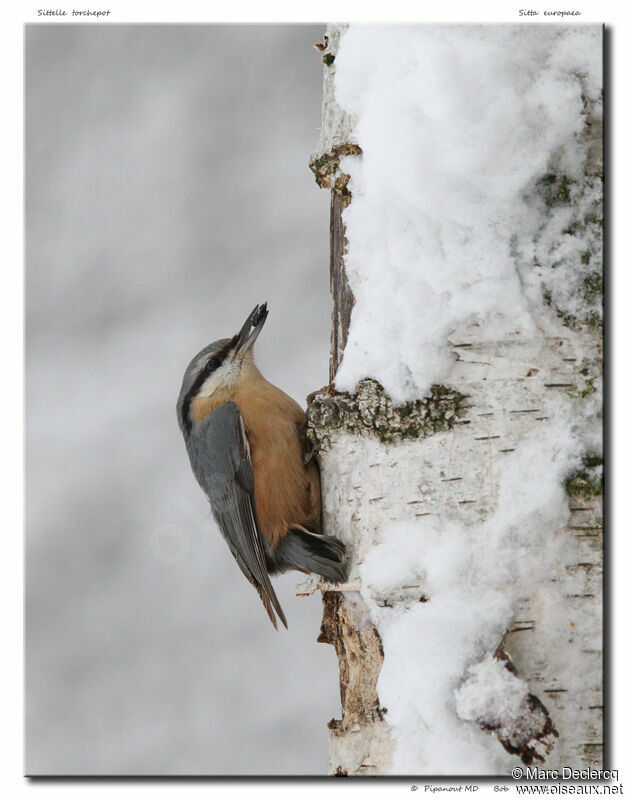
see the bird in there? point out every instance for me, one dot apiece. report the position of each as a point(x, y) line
point(247, 446)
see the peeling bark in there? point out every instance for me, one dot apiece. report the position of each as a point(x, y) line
point(341, 293)
point(360, 656)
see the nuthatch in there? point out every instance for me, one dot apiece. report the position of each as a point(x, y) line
point(247, 447)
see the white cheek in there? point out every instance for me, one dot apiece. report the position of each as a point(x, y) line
point(224, 376)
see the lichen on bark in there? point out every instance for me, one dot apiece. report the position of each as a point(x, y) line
point(326, 167)
point(576, 248)
point(370, 411)
point(588, 480)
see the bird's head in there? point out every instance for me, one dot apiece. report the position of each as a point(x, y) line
point(219, 365)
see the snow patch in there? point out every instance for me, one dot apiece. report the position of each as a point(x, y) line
point(491, 694)
point(457, 125)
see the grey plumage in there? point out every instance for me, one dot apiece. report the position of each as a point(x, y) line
point(192, 374)
point(193, 368)
point(227, 480)
point(314, 552)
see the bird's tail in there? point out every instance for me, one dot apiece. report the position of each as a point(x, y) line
point(312, 552)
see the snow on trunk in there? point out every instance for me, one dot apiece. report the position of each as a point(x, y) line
point(460, 437)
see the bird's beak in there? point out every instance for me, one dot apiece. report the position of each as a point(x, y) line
point(251, 329)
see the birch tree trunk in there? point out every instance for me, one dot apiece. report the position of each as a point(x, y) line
point(443, 456)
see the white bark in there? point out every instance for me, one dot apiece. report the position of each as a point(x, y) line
point(445, 459)
point(336, 124)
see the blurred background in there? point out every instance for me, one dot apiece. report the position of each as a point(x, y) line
point(167, 192)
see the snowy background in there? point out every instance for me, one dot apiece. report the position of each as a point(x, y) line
point(167, 192)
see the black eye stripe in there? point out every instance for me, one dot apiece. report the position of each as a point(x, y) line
point(210, 366)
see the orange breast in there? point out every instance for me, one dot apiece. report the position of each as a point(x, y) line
point(287, 493)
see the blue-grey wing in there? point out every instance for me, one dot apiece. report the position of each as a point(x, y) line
point(221, 460)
